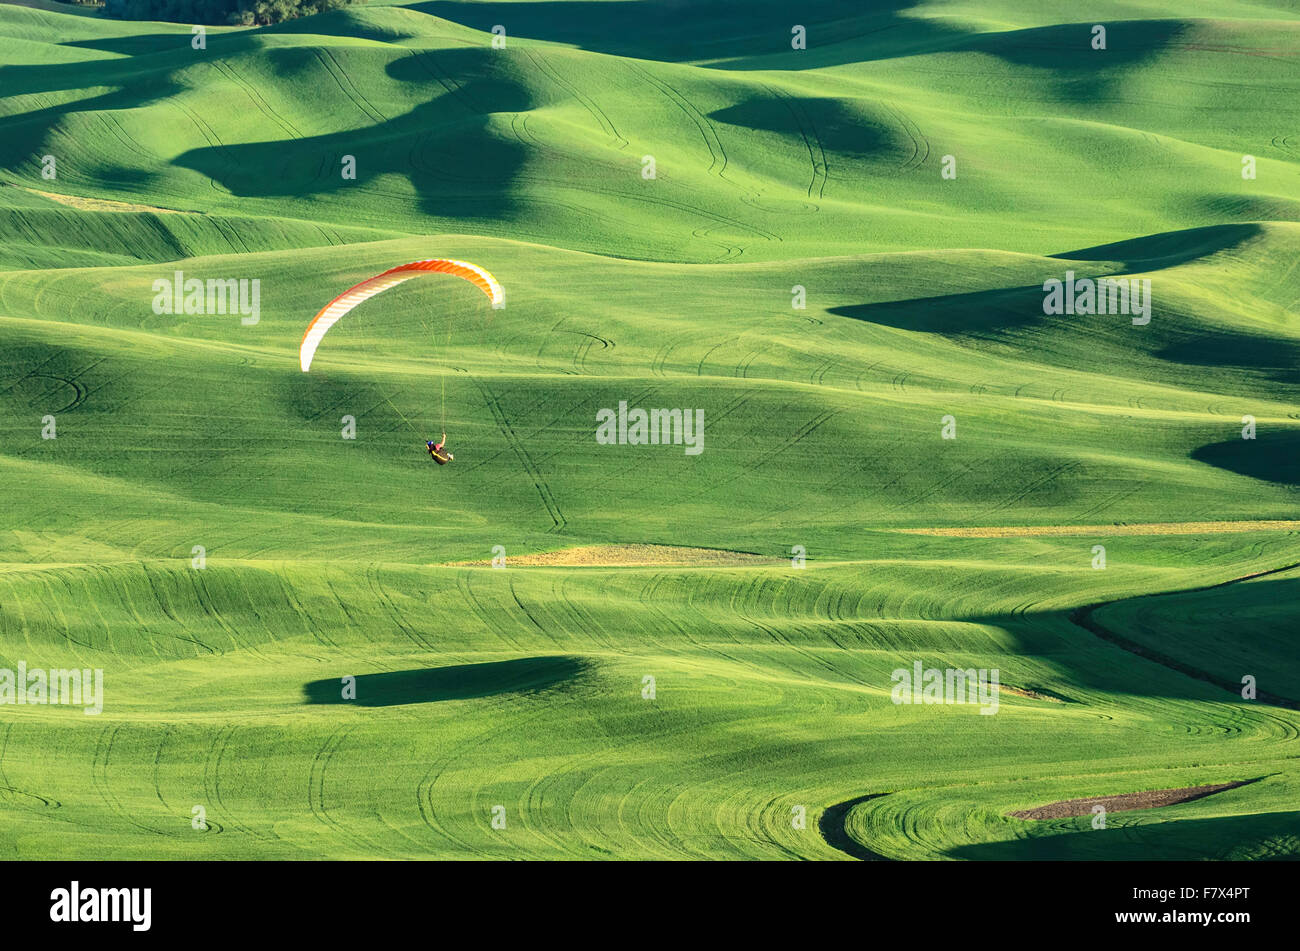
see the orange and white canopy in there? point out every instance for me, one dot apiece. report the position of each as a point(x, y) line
point(332, 312)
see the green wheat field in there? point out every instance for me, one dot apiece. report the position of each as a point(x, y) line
point(180, 508)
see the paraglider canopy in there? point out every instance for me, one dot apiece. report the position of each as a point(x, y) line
point(334, 311)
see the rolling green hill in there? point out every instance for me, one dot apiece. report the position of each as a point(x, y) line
point(201, 530)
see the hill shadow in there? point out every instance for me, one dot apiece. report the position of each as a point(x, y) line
point(1156, 252)
point(1261, 835)
point(979, 312)
point(837, 33)
point(347, 21)
point(524, 675)
point(832, 827)
point(1273, 358)
point(1009, 308)
point(835, 124)
point(146, 59)
point(139, 44)
point(1220, 681)
point(686, 30)
point(22, 133)
point(447, 148)
point(1079, 73)
point(1272, 456)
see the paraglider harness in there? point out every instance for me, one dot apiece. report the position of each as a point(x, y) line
point(440, 456)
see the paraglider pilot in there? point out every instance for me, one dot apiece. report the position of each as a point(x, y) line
point(439, 455)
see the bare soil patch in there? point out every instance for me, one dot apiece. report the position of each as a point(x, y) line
point(1031, 694)
point(629, 556)
point(1151, 799)
point(99, 204)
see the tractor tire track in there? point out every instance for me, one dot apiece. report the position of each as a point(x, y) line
point(717, 155)
point(463, 585)
point(340, 76)
point(204, 598)
point(114, 126)
point(746, 470)
point(539, 482)
point(294, 602)
point(216, 752)
point(816, 153)
point(603, 120)
point(205, 130)
point(77, 388)
point(1083, 617)
point(258, 100)
point(316, 789)
point(920, 144)
point(386, 602)
point(100, 782)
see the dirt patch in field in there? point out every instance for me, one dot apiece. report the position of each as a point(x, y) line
point(629, 556)
point(99, 204)
point(1031, 694)
point(1145, 528)
point(1151, 799)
